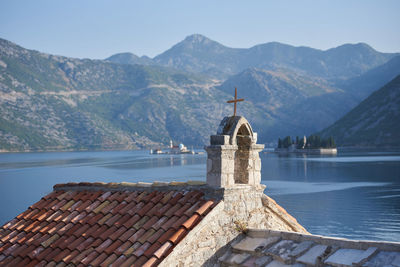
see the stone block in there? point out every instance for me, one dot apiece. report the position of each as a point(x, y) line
point(280, 264)
point(348, 257)
point(219, 139)
point(301, 248)
point(234, 258)
point(384, 258)
point(251, 244)
point(311, 256)
point(282, 250)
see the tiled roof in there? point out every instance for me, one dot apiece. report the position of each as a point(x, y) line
point(275, 248)
point(100, 224)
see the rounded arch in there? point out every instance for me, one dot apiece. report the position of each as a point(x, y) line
point(234, 126)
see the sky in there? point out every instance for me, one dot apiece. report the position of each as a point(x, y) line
point(98, 29)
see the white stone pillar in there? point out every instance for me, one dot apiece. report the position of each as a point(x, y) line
point(220, 162)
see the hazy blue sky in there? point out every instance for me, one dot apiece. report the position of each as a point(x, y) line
point(99, 28)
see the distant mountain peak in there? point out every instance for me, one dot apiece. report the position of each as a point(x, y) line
point(197, 38)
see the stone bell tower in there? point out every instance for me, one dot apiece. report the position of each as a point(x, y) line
point(232, 156)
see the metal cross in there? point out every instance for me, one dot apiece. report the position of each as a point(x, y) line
point(235, 101)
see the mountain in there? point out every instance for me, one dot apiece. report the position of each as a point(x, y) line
point(199, 54)
point(290, 104)
point(50, 102)
point(370, 81)
point(374, 122)
point(129, 58)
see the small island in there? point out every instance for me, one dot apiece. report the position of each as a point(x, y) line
point(314, 144)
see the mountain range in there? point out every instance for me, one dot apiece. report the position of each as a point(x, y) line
point(52, 102)
point(374, 122)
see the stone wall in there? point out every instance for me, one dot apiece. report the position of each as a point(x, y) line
point(243, 207)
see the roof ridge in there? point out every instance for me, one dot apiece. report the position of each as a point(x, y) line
point(112, 186)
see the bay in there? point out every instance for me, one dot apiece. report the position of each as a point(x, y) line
point(354, 195)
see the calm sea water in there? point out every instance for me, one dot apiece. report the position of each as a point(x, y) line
point(354, 194)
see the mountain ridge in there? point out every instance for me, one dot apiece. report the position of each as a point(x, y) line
point(51, 102)
point(374, 122)
point(199, 54)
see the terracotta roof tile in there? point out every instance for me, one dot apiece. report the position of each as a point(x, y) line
point(175, 199)
point(103, 245)
point(156, 199)
point(140, 251)
point(164, 237)
point(90, 231)
point(132, 249)
point(31, 263)
point(75, 205)
point(63, 229)
point(67, 259)
point(117, 233)
point(179, 222)
point(13, 261)
point(136, 235)
point(162, 210)
point(125, 236)
point(28, 214)
point(110, 207)
point(132, 208)
point(101, 226)
point(153, 238)
point(153, 211)
point(122, 220)
point(47, 228)
point(183, 209)
point(97, 242)
point(111, 248)
point(109, 260)
point(92, 206)
point(178, 236)
point(170, 212)
point(167, 197)
point(153, 261)
point(73, 245)
point(85, 244)
point(146, 235)
point(79, 217)
point(129, 261)
point(111, 221)
point(90, 257)
point(121, 249)
point(99, 259)
point(107, 232)
point(82, 255)
point(103, 218)
point(153, 248)
point(83, 205)
point(163, 250)
point(25, 238)
point(194, 207)
point(104, 196)
point(192, 221)
point(150, 223)
point(131, 197)
point(52, 254)
point(150, 196)
point(169, 223)
point(68, 205)
point(141, 222)
point(101, 206)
